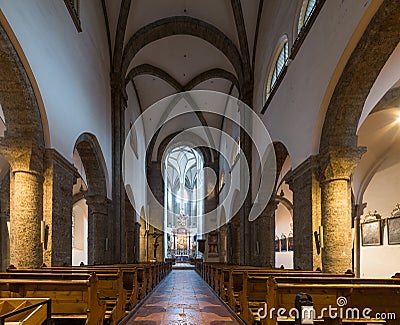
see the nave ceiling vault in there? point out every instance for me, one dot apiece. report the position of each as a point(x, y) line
point(160, 46)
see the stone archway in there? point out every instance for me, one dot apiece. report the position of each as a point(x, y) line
point(23, 147)
point(339, 153)
point(99, 237)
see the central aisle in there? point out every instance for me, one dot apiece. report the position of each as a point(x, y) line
point(183, 298)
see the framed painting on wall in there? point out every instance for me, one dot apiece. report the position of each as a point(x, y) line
point(393, 225)
point(283, 243)
point(371, 233)
point(277, 244)
point(290, 243)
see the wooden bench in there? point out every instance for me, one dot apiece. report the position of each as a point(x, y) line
point(135, 282)
point(380, 295)
point(129, 276)
point(30, 311)
point(254, 281)
point(71, 299)
point(110, 288)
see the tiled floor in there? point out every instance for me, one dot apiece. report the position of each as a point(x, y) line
point(182, 298)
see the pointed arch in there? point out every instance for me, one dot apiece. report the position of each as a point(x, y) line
point(182, 25)
point(93, 161)
point(363, 67)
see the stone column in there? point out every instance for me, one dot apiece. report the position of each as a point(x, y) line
point(234, 239)
point(118, 103)
point(130, 240)
point(306, 214)
point(246, 147)
point(223, 253)
point(4, 219)
point(136, 247)
point(336, 168)
point(97, 232)
point(26, 201)
point(25, 219)
point(358, 212)
point(59, 175)
point(263, 230)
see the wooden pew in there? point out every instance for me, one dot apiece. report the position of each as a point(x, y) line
point(129, 276)
point(381, 295)
point(254, 286)
point(27, 311)
point(110, 286)
point(71, 299)
point(137, 281)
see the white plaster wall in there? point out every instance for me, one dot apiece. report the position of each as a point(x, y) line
point(382, 195)
point(296, 113)
point(71, 69)
point(136, 177)
point(283, 221)
point(80, 251)
point(387, 78)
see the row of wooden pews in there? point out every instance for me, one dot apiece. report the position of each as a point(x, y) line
point(31, 311)
point(92, 295)
point(253, 292)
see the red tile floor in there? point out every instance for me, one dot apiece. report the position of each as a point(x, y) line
point(182, 298)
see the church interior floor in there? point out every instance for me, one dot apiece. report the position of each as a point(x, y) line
point(182, 298)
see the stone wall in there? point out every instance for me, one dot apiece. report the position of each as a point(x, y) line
point(59, 177)
point(4, 218)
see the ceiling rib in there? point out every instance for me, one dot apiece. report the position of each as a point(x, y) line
point(212, 74)
point(182, 25)
point(148, 69)
point(120, 34)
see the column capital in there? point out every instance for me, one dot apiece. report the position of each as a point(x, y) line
point(23, 154)
point(301, 171)
point(271, 207)
point(98, 204)
point(338, 163)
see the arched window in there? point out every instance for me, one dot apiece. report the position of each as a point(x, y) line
point(184, 193)
point(277, 67)
point(305, 12)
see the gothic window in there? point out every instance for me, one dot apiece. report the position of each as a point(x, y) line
point(277, 67)
point(305, 13)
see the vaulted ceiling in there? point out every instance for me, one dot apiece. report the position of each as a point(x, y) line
point(164, 47)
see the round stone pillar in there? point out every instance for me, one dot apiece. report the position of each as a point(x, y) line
point(336, 169)
point(25, 219)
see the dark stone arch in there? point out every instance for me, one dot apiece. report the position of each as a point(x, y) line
point(182, 25)
point(367, 60)
point(154, 168)
point(211, 74)
point(339, 154)
point(205, 151)
point(21, 111)
point(148, 69)
point(23, 147)
point(281, 153)
point(98, 229)
point(120, 33)
point(93, 161)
